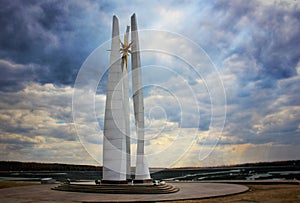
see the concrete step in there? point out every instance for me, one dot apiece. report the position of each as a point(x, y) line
point(119, 189)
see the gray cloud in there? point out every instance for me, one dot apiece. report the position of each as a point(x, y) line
point(255, 46)
point(55, 35)
point(15, 76)
point(266, 33)
point(38, 111)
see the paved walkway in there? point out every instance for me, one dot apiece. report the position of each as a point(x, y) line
point(188, 190)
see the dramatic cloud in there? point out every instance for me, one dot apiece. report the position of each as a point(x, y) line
point(39, 115)
point(254, 45)
point(57, 35)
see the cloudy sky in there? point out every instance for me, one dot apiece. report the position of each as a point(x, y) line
point(222, 79)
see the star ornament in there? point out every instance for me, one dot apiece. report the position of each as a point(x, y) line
point(125, 50)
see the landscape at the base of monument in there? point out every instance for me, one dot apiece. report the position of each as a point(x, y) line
point(24, 171)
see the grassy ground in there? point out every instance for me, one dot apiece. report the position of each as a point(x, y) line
point(7, 184)
point(259, 193)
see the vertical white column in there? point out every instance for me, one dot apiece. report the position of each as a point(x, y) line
point(114, 141)
point(142, 170)
point(126, 112)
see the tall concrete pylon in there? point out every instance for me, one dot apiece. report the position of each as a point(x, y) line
point(125, 80)
point(142, 171)
point(114, 139)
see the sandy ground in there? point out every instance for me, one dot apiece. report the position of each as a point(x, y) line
point(258, 193)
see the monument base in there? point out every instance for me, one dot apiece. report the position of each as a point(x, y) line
point(114, 182)
point(161, 188)
point(142, 180)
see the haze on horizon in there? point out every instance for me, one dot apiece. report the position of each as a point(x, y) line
point(254, 45)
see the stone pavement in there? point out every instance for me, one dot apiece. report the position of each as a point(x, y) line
point(188, 190)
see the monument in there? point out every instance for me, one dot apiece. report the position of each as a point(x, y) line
point(116, 177)
point(116, 141)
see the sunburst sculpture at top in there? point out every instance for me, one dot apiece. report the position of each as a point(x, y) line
point(125, 50)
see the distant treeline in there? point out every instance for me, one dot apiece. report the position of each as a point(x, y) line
point(275, 163)
point(32, 166)
point(258, 164)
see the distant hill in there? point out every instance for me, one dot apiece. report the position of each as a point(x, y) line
point(257, 164)
point(32, 166)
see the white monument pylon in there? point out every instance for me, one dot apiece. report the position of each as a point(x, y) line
point(142, 170)
point(116, 140)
